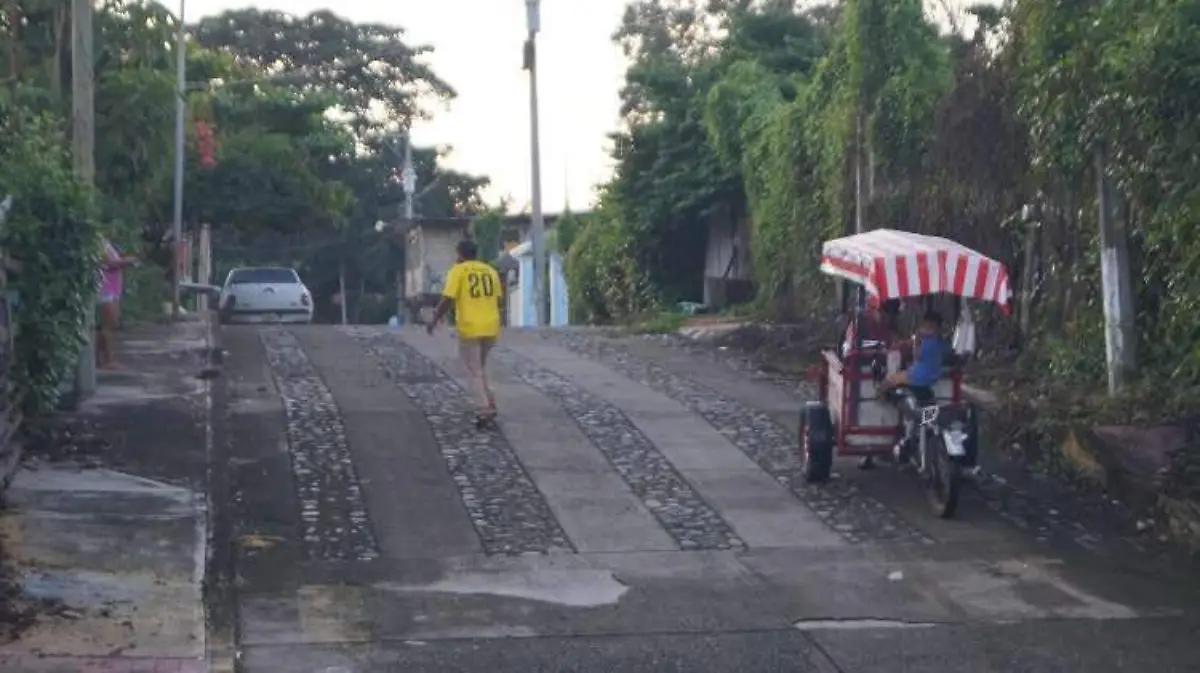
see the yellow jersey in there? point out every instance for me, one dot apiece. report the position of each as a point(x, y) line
point(474, 287)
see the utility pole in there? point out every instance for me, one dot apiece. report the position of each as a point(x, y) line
point(538, 225)
point(1119, 335)
point(203, 266)
point(180, 152)
point(408, 180)
point(83, 139)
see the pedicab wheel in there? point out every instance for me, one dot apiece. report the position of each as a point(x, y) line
point(971, 445)
point(816, 442)
point(943, 482)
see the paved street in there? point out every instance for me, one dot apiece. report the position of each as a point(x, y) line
point(640, 510)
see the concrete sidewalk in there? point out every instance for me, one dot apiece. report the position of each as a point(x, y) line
point(107, 522)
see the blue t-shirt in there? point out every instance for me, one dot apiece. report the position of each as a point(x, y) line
point(927, 368)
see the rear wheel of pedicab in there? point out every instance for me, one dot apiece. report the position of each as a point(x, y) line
point(943, 479)
point(816, 442)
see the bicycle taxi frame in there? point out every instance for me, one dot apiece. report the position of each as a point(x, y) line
point(849, 417)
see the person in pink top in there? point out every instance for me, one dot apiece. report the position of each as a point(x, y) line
point(112, 284)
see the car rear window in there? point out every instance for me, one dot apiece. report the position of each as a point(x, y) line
point(275, 276)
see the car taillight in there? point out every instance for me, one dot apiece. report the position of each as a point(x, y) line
point(304, 299)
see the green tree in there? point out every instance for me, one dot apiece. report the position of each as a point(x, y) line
point(370, 75)
point(603, 278)
point(758, 118)
point(378, 77)
point(52, 232)
point(486, 232)
point(272, 171)
point(667, 179)
point(566, 231)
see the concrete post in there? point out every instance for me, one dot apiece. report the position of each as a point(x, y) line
point(538, 225)
point(1120, 338)
point(180, 152)
point(204, 273)
point(83, 138)
point(558, 292)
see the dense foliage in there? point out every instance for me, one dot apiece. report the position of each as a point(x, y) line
point(992, 126)
point(52, 229)
point(487, 230)
point(305, 115)
point(343, 176)
point(981, 126)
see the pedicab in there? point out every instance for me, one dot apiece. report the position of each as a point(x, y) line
point(931, 429)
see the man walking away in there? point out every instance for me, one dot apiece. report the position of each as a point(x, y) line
point(472, 288)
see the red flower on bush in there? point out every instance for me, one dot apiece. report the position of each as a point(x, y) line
point(206, 144)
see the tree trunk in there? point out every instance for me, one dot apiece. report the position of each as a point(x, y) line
point(13, 14)
point(62, 17)
point(362, 292)
point(1027, 276)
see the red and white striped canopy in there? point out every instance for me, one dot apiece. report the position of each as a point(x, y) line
point(897, 264)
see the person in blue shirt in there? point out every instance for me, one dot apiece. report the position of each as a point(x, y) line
point(930, 355)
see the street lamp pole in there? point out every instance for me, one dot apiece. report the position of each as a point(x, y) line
point(538, 225)
point(408, 179)
point(180, 118)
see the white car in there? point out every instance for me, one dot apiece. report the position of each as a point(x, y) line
point(270, 294)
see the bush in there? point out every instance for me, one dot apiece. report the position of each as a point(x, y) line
point(146, 288)
point(603, 279)
point(51, 231)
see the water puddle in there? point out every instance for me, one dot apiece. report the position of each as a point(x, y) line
point(580, 588)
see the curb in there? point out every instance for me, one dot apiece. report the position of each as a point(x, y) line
point(220, 601)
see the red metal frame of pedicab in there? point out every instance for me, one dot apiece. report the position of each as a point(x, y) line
point(911, 265)
point(849, 409)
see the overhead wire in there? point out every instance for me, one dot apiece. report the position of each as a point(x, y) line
point(283, 248)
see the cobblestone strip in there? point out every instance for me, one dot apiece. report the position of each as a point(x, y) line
point(841, 504)
point(1047, 516)
point(333, 512)
point(509, 513)
point(1044, 508)
point(668, 496)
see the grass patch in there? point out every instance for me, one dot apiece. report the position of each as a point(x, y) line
point(664, 322)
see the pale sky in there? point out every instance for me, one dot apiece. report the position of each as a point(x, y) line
point(478, 49)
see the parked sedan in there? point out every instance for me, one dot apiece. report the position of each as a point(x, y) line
point(265, 294)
